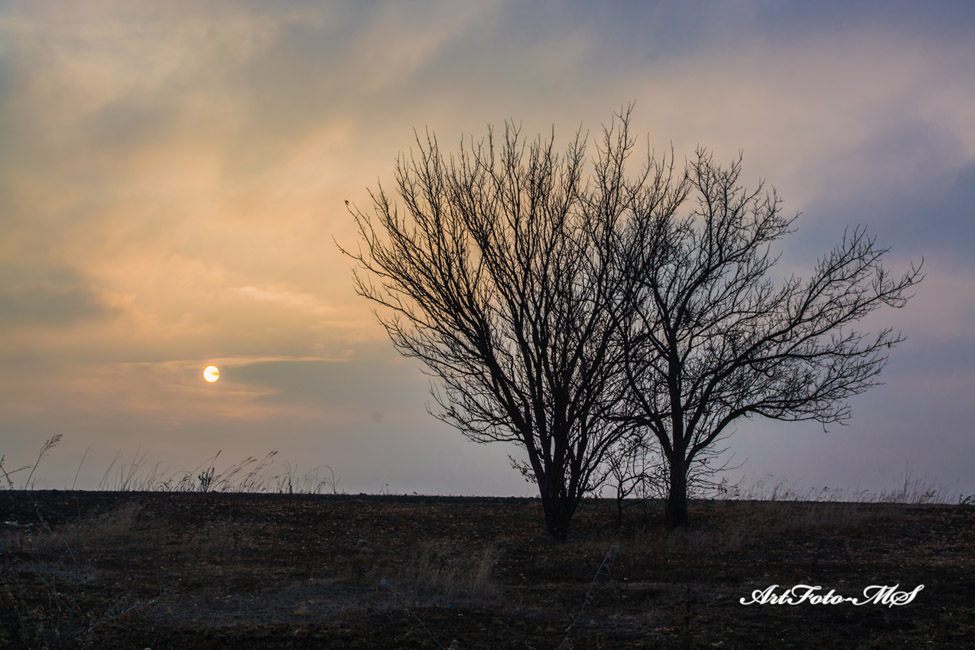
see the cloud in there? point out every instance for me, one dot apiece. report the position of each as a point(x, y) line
point(172, 176)
point(287, 298)
point(52, 298)
point(917, 199)
point(394, 386)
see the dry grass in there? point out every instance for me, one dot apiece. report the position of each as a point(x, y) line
point(909, 489)
point(776, 517)
point(745, 523)
point(439, 573)
point(63, 581)
point(44, 568)
point(307, 564)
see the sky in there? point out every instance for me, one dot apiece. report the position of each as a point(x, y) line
point(173, 178)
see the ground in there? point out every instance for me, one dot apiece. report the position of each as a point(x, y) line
point(189, 570)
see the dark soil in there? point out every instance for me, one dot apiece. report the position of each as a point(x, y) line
point(155, 570)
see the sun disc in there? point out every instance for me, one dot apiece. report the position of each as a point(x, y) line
point(211, 374)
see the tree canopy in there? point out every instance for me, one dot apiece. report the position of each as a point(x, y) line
point(502, 276)
point(714, 338)
point(564, 310)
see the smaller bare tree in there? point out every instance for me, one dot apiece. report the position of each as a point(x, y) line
point(634, 467)
point(715, 339)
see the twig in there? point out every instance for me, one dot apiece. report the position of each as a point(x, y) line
point(588, 598)
point(6, 474)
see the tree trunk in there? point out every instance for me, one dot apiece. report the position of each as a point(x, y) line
point(558, 512)
point(676, 512)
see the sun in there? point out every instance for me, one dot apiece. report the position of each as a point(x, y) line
point(211, 374)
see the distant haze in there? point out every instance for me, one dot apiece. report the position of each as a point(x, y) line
point(172, 187)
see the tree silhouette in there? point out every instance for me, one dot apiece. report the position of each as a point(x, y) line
point(568, 313)
point(715, 339)
point(502, 276)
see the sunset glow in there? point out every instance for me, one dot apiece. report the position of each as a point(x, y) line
point(174, 178)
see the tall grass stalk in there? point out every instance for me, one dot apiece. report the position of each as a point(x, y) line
point(45, 448)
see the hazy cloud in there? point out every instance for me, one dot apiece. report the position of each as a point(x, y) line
point(172, 176)
point(394, 385)
point(58, 297)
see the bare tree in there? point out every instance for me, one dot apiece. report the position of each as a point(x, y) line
point(501, 273)
point(634, 467)
point(714, 338)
